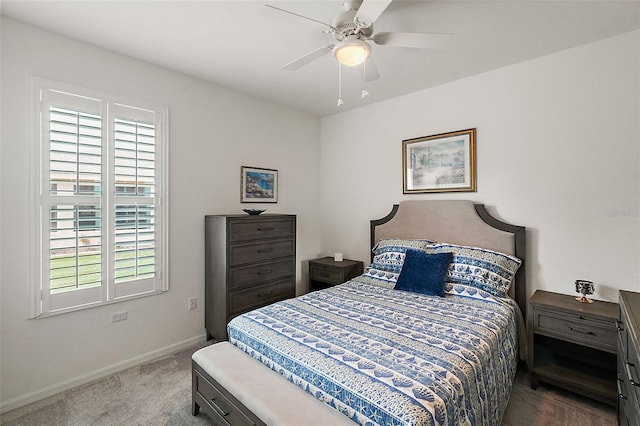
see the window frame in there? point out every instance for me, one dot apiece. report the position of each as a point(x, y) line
point(109, 291)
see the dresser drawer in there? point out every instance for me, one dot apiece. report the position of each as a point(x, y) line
point(622, 338)
point(240, 254)
point(249, 276)
point(222, 409)
point(631, 374)
point(249, 230)
point(241, 301)
point(577, 328)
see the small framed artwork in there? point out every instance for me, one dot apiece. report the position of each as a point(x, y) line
point(440, 163)
point(258, 185)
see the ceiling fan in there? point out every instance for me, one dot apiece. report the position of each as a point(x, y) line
point(353, 30)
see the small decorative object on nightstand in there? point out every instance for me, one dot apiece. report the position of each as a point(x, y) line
point(584, 287)
point(573, 345)
point(327, 272)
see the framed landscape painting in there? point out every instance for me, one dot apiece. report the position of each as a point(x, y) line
point(258, 185)
point(440, 163)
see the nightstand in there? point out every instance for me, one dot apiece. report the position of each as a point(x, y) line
point(326, 272)
point(573, 345)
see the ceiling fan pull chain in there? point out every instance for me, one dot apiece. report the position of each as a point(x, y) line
point(364, 78)
point(340, 101)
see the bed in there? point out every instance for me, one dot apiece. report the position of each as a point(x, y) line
point(380, 349)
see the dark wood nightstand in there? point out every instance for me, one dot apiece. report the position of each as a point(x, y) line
point(326, 272)
point(573, 345)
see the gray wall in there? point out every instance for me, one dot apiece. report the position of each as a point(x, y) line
point(213, 131)
point(558, 142)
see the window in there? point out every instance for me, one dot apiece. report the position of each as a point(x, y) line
point(100, 204)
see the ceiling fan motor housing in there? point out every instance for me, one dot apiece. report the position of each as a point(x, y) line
point(345, 24)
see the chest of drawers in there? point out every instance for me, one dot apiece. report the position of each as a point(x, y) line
point(573, 345)
point(629, 359)
point(250, 261)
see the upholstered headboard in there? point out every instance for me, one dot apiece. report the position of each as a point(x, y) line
point(458, 222)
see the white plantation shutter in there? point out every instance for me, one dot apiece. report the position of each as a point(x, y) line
point(102, 176)
point(134, 160)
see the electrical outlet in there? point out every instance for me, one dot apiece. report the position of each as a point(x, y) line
point(119, 316)
point(193, 303)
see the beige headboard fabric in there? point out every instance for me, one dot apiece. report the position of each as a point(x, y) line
point(451, 221)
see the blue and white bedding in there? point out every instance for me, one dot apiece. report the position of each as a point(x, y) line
point(391, 357)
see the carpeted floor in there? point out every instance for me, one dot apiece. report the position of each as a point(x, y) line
point(159, 393)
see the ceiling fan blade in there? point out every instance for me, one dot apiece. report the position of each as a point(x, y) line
point(370, 71)
point(308, 58)
point(300, 16)
point(370, 10)
point(418, 40)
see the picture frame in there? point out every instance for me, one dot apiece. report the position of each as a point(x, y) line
point(445, 162)
point(258, 185)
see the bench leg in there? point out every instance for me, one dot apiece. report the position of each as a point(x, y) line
point(195, 408)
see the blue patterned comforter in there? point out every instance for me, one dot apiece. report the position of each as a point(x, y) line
point(388, 357)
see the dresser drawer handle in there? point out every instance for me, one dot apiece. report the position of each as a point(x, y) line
point(627, 367)
point(620, 393)
point(220, 410)
point(266, 293)
point(266, 229)
point(581, 331)
point(265, 272)
point(619, 326)
point(269, 250)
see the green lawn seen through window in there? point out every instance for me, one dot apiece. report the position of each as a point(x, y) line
point(63, 274)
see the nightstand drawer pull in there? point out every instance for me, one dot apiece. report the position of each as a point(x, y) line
point(267, 250)
point(270, 271)
point(266, 229)
point(620, 393)
point(581, 331)
point(627, 367)
point(619, 326)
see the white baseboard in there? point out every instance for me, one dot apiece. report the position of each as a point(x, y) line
point(23, 400)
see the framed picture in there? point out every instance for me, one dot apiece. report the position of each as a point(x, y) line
point(258, 185)
point(440, 163)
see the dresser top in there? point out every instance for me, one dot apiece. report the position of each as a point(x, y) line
point(569, 303)
point(251, 216)
point(631, 303)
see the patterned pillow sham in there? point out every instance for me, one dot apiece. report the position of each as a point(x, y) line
point(389, 279)
point(485, 269)
point(389, 253)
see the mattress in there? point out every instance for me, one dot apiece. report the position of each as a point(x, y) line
point(390, 357)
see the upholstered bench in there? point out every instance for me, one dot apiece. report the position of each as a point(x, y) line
point(233, 388)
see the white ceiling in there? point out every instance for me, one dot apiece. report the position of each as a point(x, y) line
point(242, 44)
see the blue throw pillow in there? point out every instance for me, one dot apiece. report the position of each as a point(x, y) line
point(424, 273)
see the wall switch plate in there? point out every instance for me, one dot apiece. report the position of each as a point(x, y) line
point(119, 316)
point(193, 303)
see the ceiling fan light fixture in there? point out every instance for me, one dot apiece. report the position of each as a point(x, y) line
point(352, 51)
